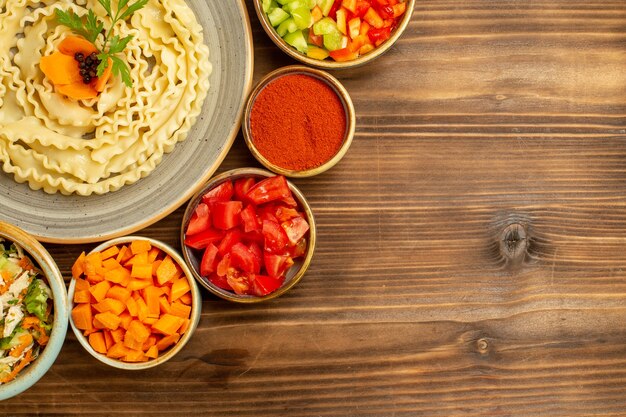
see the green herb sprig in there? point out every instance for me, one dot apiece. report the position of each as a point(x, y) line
point(91, 27)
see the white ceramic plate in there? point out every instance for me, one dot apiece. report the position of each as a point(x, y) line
point(75, 219)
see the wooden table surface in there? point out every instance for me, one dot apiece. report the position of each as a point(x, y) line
point(471, 255)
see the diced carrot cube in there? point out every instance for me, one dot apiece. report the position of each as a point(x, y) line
point(151, 341)
point(110, 304)
point(126, 319)
point(96, 340)
point(151, 296)
point(81, 284)
point(179, 309)
point(186, 298)
point(138, 331)
point(100, 290)
point(106, 320)
point(130, 341)
point(155, 267)
point(118, 335)
point(82, 317)
point(135, 355)
point(142, 271)
point(139, 259)
point(167, 341)
point(131, 305)
point(166, 271)
point(153, 254)
point(108, 339)
point(149, 321)
point(110, 264)
point(82, 296)
point(168, 324)
point(117, 351)
point(110, 252)
point(117, 275)
point(164, 306)
point(152, 352)
point(179, 288)
point(78, 268)
point(140, 246)
point(142, 308)
point(138, 284)
point(185, 326)
point(119, 293)
point(124, 255)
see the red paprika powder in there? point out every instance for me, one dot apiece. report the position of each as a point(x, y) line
point(298, 122)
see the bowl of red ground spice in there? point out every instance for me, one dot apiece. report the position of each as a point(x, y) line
point(299, 121)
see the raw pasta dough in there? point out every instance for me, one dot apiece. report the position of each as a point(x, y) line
point(96, 146)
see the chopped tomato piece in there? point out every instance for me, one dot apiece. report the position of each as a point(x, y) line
point(242, 186)
point(264, 285)
point(286, 213)
point(223, 265)
point(295, 229)
point(253, 237)
point(361, 8)
point(275, 237)
point(276, 265)
point(241, 257)
point(255, 249)
point(249, 219)
point(208, 264)
point(240, 282)
point(299, 249)
point(223, 192)
point(220, 282)
point(231, 237)
point(225, 214)
point(201, 240)
point(270, 189)
point(200, 220)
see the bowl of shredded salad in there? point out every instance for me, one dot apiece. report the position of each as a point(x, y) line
point(33, 310)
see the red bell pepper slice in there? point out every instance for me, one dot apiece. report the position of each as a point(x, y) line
point(264, 285)
point(241, 257)
point(333, 9)
point(225, 214)
point(208, 263)
point(201, 240)
point(275, 237)
point(379, 35)
point(242, 186)
point(295, 229)
point(249, 219)
point(361, 8)
point(269, 189)
point(200, 220)
point(232, 236)
point(222, 192)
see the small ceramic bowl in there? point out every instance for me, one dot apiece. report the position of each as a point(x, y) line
point(293, 275)
point(329, 63)
point(344, 97)
point(35, 370)
point(196, 306)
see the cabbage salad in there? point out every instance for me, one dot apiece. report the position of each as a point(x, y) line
point(25, 311)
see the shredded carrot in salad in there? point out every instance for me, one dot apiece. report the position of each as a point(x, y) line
point(25, 311)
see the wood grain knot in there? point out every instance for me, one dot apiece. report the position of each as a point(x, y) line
point(482, 345)
point(514, 242)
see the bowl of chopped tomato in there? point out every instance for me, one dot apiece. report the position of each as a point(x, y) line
point(248, 235)
point(334, 34)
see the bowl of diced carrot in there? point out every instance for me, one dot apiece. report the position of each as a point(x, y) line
point(134, 302)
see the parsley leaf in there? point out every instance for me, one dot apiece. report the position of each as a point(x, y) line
point(73, 22)
point(93, 26)
point(118, 45)
point(121, 68)
point(132, 9)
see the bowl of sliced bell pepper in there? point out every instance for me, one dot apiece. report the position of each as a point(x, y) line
point(134, 302)
point(334, 34)
point(248, 235)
